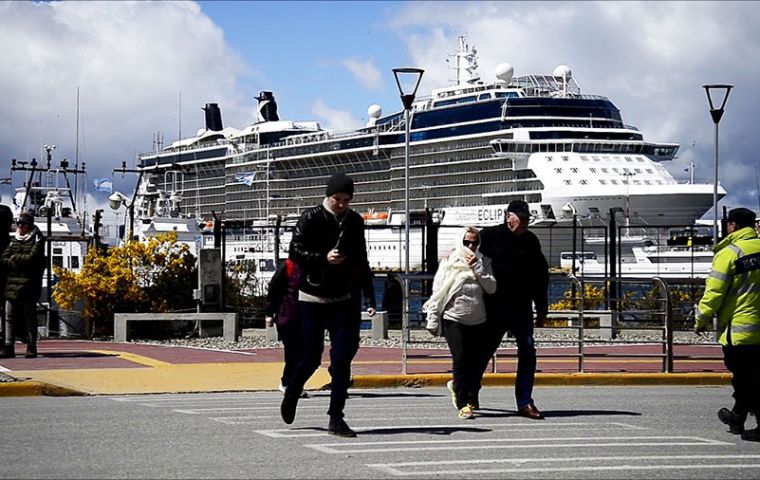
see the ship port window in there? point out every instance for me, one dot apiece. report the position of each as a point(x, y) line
point(592, 170)
point(565, 158)
point(605, 170)
point(584, 158)
point(649, 170)
point(614, 182)
point(616, 170)
point(603, 181)
point(549, 158)
point(648, 182)
point(583, 182)
point(574, 170)
point(558, 170)
point(484, 96)
point(568, 182)
point(637, 170)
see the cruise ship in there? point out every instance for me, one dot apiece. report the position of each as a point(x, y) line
point(474, 147)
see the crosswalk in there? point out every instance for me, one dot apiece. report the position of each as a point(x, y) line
point(414, 433)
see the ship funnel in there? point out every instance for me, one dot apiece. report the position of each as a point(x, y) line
point(267, 107)
point(213, 117)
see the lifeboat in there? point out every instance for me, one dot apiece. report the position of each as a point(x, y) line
point(375, 218)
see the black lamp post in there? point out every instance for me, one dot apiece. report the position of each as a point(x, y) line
point(716, 114)
point(407, 80)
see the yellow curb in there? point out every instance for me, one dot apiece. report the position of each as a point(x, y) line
point(549, 379)
point(31, 389)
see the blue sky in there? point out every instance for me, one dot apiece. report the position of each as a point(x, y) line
point(328, 61)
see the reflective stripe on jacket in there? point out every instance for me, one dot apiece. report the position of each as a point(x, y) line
point(732, 289)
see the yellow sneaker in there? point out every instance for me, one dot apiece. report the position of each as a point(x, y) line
point(466, 412)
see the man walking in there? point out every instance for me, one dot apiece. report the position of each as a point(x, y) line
point(732, 293)
point(329, 245)
point(6, 222)
point(24, 262)
point(522, 280)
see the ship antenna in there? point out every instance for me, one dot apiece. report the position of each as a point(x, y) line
point(76, 154)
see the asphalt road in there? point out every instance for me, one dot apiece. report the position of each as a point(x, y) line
point(589, 432)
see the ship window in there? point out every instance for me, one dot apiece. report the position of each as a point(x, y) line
point(565, 158)
point(568, 182)
point(596, 159)
point(648, 182)
point(637, 170)
point(558, 170)
point(614, 182)
point(592, 170)
point(584, 158)
point(57, 261)
point(605, 170)
point(603, 181)
point(549, 158)
point(649, 170)
point(74, 262)
point(574, 170)
point(583, 182)
point(57, 250)
point(616, 170)
point(628, 159)
point(484, 96)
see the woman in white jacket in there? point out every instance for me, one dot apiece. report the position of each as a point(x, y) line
point(456, 305)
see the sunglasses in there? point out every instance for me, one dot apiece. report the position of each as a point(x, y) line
point(468, 243)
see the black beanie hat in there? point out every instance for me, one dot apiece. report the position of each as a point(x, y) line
point(340, 182)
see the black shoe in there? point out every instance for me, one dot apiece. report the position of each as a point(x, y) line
point(288, 407)
point(7, 351)
point(751, 435)
point(734, 421)
point(340, 428)
point(31, 352)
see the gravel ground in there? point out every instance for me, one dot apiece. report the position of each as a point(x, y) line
point(256, 338)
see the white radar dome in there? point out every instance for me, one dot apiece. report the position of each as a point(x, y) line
point(562, 71)
point(374, 111)
point(504, 72)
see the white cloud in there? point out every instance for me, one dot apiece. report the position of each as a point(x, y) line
point(130, 61)
point(365, 72)
point(335, 119)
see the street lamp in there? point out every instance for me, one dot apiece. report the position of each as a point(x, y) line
point(716, 114)
point(115, 201)
point(568, 210)
point(407, 80)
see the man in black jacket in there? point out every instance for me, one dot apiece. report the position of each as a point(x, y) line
point(329, 245)
point(24, 263)
point(522, 279)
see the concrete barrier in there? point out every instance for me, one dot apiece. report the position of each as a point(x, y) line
point(230, 322)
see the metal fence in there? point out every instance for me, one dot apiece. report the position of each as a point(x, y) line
point(607, 308)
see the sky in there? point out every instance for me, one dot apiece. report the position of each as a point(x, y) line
point(144, 67)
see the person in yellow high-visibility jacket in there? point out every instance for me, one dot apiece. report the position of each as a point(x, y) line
point(732, 293)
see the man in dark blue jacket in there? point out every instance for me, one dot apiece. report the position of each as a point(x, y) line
point(522, 280)
point(329, 245)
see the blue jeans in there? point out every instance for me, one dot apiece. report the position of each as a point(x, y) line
point(520, 324)
point(342, 321)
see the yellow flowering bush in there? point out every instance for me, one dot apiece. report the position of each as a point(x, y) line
point(158, 275)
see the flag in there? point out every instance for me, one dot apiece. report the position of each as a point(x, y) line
point(103, 185)
point(5, 181)
point(246, 177)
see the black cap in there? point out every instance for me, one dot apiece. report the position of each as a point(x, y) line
point(25, 218)
point(743, 217)
point(519, 208)
point(340, 183)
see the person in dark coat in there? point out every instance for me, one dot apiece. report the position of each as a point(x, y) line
point(330, 246)
point(280, 309)
point(522, 280)
point(24, 263)
point(393, 299)
point(6, 222)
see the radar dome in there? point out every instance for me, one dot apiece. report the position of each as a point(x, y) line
point(562, 71)
point(374, 111)
point(504, 72)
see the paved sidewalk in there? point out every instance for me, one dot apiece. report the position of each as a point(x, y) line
point(80, 367)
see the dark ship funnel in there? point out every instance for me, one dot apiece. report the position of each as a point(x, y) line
point(267, 107)
point(213, 117)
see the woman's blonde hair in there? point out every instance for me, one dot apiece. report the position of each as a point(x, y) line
point(471, 230)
